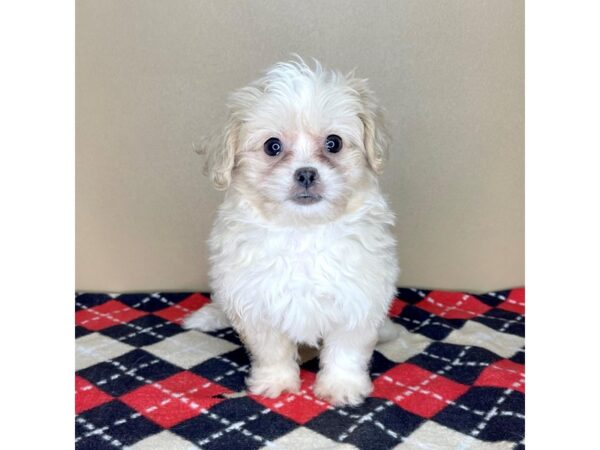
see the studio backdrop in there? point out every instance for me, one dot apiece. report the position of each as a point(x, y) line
point(152, 78)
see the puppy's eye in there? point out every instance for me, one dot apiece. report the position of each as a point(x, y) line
point(273, 146)
point(333, 143)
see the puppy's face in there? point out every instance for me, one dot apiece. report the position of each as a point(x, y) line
point(301, 145)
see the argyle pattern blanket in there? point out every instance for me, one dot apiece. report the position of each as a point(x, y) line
point(453, 379)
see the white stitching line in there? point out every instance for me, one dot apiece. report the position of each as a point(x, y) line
point(237, 368)
point(230, 362)
point(422, 323)
point(145, 330)
point(418, 292)
point(514, 302)
point(512, 413)
point(507, 324)
point(99, 315)
point(238, 426)
point(170, 303)
point(369, 418)
point(128, 324)
point(131, 372)
point(406, 393)
point(94, 430)
point(181, 396)
point(494, 410)
point(473, 363)
point(448, 308)
point(508, 300)
point(225, 332)
point(83, 389)
point(303, 394)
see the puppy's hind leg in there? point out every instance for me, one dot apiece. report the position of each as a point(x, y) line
point(387, 331)
point(208, 318)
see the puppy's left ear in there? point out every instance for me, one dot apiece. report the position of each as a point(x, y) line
point(376, 137)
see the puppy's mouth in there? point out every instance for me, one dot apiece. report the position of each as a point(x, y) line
point(306, 198)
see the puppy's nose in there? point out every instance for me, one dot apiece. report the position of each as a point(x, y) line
point(306, 176)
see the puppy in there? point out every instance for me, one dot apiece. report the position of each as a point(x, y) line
point(302, 250)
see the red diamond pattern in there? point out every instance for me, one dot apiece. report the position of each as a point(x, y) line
point(175, 399)
point(106, 315)
point(396, 307)
point(417, 390)
point(299, 407)
point(515, 301)
point(88, 396)
point(177, 313)
point(504, 374)
point(453, 305)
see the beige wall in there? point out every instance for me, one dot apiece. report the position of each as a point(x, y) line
point(152, 77)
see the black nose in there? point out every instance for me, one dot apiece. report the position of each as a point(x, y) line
point(306, 176)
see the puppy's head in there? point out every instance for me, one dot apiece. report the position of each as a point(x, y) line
point(302, 145)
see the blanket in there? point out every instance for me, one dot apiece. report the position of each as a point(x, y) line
point(452, 379)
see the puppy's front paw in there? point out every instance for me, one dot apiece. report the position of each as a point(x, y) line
point(342, 388)
point(271, 381)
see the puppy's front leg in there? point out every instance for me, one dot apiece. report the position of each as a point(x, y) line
point(274, 362)
point(344, 377)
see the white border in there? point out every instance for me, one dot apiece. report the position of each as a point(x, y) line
point(562, 222)
point(37, 186)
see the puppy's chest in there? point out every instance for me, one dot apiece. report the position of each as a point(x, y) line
point(306, 260)
point(303, 281)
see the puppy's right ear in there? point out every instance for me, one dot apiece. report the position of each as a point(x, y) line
point(220, 149)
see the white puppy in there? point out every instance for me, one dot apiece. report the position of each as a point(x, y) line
point(302, 249)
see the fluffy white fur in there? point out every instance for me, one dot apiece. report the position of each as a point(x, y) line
point(283, 272)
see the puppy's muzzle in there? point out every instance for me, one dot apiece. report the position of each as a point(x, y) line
point(306, 176)
point(306, 179)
